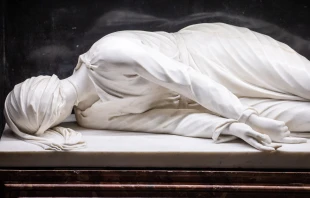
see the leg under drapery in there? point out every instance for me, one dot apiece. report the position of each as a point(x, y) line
point(248, 63)
point(296, 114)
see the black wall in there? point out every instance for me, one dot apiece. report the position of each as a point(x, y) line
point(46, 36)
point(2, 63)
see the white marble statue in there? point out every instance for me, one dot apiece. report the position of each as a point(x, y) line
point(209, 80)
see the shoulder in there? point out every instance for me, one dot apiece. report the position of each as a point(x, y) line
point(114, 42)
point(118, 36)
point(135, 37)
point(211, 27)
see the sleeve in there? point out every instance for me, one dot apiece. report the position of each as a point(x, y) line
point(154, 66)
point(184, 122)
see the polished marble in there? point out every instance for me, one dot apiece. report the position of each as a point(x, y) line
point(132, 149)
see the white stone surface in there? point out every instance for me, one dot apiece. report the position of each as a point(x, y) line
point(209, 80)
point(132, 149)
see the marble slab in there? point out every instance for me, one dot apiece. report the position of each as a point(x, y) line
point(133, 149)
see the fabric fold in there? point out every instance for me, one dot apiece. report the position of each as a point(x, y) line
point(219, 138)
point(35, 105)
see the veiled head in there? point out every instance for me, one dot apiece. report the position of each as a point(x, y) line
point(35, 105)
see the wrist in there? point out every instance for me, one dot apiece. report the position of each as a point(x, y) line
point(246, 114)
point(252, 118)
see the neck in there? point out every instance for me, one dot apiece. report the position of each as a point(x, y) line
point(81, 84)
point(69, 91)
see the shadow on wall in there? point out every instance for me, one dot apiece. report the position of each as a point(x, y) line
point(127, 20)
point(112, 21)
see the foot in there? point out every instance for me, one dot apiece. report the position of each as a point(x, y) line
point(257, 140)
point(276, 130)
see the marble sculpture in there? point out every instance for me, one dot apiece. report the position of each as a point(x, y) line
point(210, 80)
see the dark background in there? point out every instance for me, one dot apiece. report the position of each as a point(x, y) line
point(44, 37)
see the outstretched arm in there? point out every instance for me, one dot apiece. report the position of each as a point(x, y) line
point(184, 122)
point(162, 70)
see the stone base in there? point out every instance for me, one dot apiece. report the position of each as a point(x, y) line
point(135, 150)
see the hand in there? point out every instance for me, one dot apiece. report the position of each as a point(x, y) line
point(276, 130)
point(284, 137)
point(257, 140)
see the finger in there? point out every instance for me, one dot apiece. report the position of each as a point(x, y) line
point(284, 129)
point(259, 146)
point(286, 134)
point(294, 140)
point(282, 124)
point(274, 145)
point(260, 137)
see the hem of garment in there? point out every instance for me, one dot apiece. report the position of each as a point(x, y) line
point(218, 137)
point(246, 114)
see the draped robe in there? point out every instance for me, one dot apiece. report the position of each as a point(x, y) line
point(193, 82)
